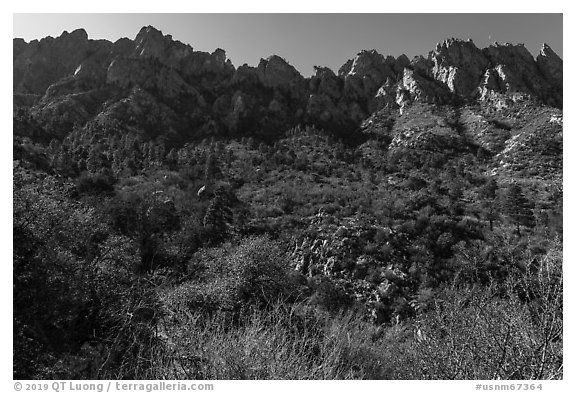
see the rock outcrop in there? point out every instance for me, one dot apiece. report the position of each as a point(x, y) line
point(276, 73)
point(421, 89)
point(39, 64)
point(519, 75)
point(459, 65)
point(368, 71)
point(551, 66)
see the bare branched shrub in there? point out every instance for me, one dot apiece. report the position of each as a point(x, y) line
point(500, 332)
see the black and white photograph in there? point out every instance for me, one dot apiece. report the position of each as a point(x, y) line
point(287, 196)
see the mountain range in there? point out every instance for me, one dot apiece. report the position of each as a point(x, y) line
point(162, 87)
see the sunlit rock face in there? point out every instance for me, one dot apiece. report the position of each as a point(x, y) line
point(366, 74)
point(459, 64)
point(519, 74)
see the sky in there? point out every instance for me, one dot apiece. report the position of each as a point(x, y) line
point(306, 40)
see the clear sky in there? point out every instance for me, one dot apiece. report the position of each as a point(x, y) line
point(305, 40)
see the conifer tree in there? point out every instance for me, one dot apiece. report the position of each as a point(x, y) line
point(172, 159)
point(218, 215)
point(489, 203)
point(211, 168)
point(94, 161)
point(518, 207)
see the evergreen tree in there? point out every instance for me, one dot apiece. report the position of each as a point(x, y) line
point(218, 215)
point(211, 168)
point(94, 161)
point(117, 162)
point(518, 207)
point(172, 159)
point(489, 203)
point(159, 153)
point(488, 191)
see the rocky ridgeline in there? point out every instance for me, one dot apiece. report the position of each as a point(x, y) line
point(73, 80)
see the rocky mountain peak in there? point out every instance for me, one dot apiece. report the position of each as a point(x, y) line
point(77, 35)
point(364, 75)
point(219, 55)
point(547, 51)
point(508, 53)
point(372, 63)
point(459, 53)
point(38, 64)
point(274, 61)
point(323, 72)
point(551, 65)
point(150, 42)
point(122, 47)
point(520, 75)
point(453, 42)
point(459, 64)
point(274, 71)
point(147, 33)
point(325, 82)
point(401, 62)
point(366, 61)
point(18, 46)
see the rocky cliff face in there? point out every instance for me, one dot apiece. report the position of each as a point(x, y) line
point(72, 80)
point(518, 75)
point(551, 67)
point(38, 64)
point(459, 65)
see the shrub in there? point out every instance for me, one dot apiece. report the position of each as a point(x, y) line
point(94, 184)
point(284, 342)
point(253, 272)
point(491, 333)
